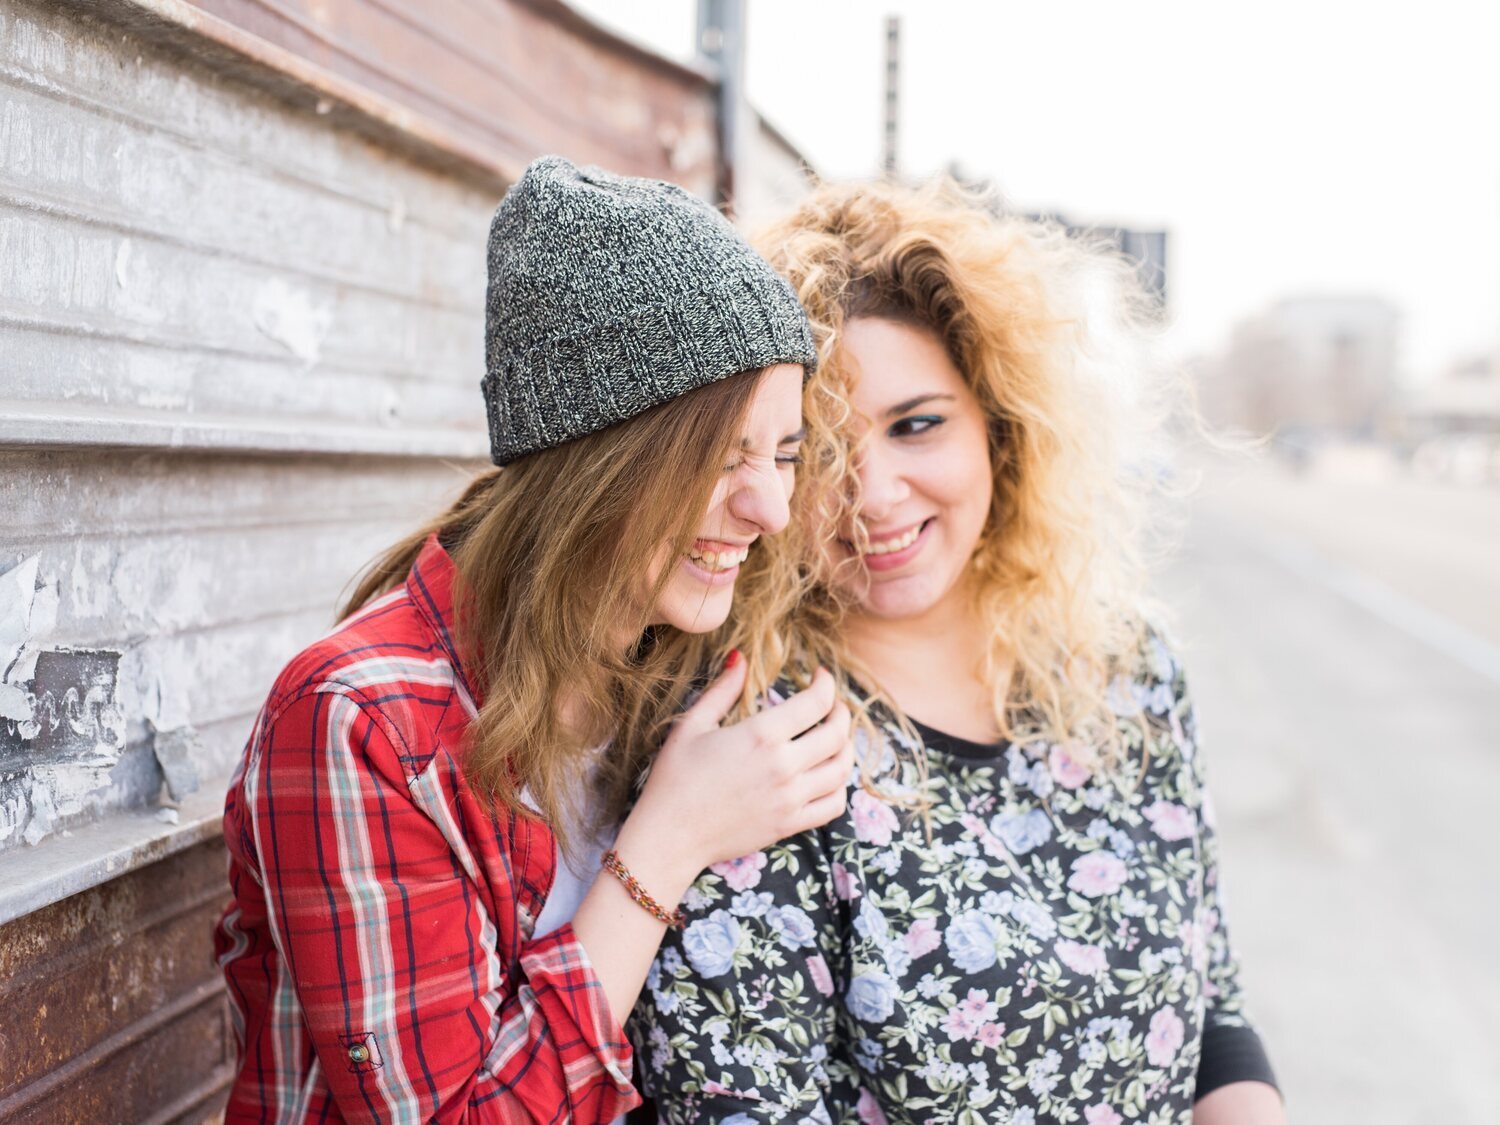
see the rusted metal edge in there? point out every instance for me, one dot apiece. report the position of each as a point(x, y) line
point(24, 426)
point(214, 1085)
point(61, 866)
point(304, 85)
point(60, 964)
point(72, 1070)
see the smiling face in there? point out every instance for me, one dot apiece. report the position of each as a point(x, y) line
point(749, 501)
point(924, 469)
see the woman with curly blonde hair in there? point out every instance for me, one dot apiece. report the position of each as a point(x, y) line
point(1019, 916)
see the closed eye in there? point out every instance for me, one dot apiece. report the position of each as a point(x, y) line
point(787, 451)
point(783, 457)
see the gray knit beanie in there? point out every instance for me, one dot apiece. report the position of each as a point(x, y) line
point(609, 295)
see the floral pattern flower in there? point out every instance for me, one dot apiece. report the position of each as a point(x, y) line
point(1096, 874)
point(743, 873)
point(1164, 1037)
point(874, 819)
point(1054, 950)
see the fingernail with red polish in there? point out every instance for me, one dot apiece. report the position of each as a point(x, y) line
point(732, 659)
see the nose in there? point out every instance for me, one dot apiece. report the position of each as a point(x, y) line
point(882, 486)
point(761, 498)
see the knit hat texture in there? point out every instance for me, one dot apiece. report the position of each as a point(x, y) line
point(609, 295)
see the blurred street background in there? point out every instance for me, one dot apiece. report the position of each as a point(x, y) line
point(241, 295)
point(1342, 635)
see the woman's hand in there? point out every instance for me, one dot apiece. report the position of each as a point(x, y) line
point(714, 794)
point(718, 793)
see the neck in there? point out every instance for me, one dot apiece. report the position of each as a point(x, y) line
point(931, 665)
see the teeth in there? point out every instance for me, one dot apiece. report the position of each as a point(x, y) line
point(900, 543)
point(720, 560)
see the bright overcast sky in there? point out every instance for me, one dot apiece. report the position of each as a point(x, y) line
point(1290, 148)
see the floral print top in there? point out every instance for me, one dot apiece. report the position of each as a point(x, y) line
point(1055, 951)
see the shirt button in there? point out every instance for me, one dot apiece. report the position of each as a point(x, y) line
point(359, 1053)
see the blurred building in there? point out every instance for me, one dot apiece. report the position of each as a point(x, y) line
point(1325, 364)
point(1463, 399)
point(1146, 250)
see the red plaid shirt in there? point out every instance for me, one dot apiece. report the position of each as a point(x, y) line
point(378, 947)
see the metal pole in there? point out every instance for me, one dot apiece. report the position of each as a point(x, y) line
point(721, 44)
point(892, 95)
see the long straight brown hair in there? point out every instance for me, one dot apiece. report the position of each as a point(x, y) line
point(553, 553)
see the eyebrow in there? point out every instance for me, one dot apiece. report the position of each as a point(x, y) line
point(912, 403)
point(745, 442)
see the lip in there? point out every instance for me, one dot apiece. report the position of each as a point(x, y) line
point(708, 577)
point(897, 559)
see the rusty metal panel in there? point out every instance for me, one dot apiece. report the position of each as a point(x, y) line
point(111, 1007)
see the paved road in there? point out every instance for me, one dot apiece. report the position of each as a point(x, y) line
point(1353, 733)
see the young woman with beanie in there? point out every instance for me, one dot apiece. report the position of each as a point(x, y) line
point(1020, 915)
point(419, 928)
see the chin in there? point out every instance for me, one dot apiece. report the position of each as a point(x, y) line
point(895, 609)
point(897, 600)
point(698, 616)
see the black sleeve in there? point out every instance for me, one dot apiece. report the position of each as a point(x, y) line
point(1232, 1054)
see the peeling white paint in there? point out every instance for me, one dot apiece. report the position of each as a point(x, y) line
point(289, 315)
point(122, 262)
point(14, 809)
point(67, 706)
point(28, 614)
point(17, 593)
point(43, 813)
point(89, 599)
point(14, 704)
point(177, 753)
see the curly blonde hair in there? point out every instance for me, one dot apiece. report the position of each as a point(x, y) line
point(1054, 335)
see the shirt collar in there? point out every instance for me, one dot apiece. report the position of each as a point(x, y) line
point(430, 585)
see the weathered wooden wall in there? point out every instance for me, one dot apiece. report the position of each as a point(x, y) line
point(241, 287)
point(239, 347)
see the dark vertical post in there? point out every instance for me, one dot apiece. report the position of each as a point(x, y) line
point(721, 44)
point(890, 147)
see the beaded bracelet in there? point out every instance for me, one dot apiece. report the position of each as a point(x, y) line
point(612, 864)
